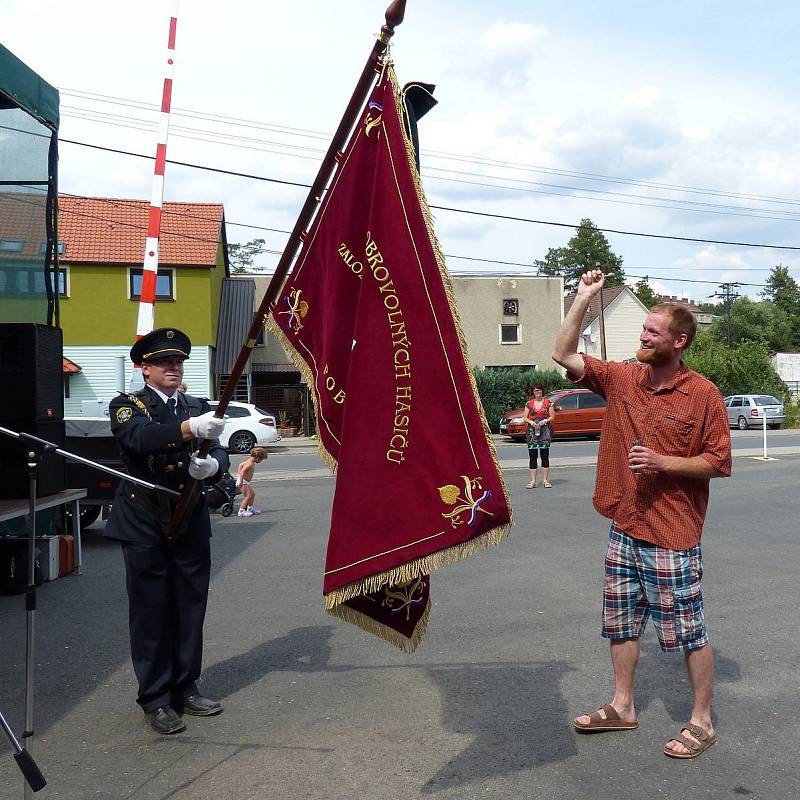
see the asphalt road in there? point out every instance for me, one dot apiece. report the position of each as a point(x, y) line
point(318, 710)
point(297, 458)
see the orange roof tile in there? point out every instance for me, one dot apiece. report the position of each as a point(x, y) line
point(101, 230)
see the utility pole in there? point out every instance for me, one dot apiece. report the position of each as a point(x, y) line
point(728, 295)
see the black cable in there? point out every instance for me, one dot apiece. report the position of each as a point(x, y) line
point(613, 230)
point(192, 166)
point(279, 252)
point(444, 155)
point(677, 204)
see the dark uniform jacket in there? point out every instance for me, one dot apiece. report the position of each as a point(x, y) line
point(149, 437)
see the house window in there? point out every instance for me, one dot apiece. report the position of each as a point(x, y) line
point(63, 284)
point(165, 284)
point(511, 307)
point(62, 248)
point(12, 245)
point(509, 334)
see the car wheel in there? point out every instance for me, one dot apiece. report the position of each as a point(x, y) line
point(88, 515)
point(242, 442)
point(776, 427)
point(741, 424)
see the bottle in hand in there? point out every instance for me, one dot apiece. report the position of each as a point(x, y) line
point(637, 443)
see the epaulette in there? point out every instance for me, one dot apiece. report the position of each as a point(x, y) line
point(137, 399)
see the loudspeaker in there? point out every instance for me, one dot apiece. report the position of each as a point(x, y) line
point(31, 367)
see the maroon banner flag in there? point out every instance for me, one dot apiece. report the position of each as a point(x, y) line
point(369, 317)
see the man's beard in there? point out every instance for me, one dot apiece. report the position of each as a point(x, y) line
point(651, 356)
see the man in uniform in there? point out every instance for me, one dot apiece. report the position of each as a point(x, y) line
point(158, 430)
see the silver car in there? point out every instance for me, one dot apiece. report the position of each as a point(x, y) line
point(748, 411)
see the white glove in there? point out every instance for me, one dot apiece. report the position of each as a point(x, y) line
point(202, 468)
point(206, 426)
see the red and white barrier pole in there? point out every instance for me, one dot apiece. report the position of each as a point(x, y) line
point(150, 264)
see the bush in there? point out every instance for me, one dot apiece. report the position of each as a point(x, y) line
point(501, 390)
point(745, 369)
point(791, 411)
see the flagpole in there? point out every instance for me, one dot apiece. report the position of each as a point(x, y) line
point(394, 16)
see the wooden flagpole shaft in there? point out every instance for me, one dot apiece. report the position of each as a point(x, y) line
point(394, 16)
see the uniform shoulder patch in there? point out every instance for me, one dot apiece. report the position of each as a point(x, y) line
point(124, 414)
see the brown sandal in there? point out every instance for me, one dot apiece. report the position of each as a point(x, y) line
point(695, 748)
point(611, 722)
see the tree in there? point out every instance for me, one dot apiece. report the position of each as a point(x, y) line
point(717, 309)
point(643, 291)
point(586, 249)
point(744, 369)
point(241, 256)
point(763, 322)
point(782, 290)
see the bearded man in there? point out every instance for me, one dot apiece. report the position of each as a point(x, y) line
point(665, 435)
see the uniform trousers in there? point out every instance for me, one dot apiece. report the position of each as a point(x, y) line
point(167, 593)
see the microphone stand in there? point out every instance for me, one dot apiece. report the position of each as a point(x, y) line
point(24, 759)
point(40, 447)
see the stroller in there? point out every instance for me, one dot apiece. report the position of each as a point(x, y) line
point(220, 496)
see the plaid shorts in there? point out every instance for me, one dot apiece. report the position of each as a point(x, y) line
point(643, 579)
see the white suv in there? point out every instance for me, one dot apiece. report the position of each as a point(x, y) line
point(247, 426)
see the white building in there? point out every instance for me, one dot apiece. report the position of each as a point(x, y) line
point(623, 317)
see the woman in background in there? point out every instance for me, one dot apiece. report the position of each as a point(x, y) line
point(539, 413)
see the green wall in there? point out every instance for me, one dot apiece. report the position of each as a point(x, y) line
point(98, 311)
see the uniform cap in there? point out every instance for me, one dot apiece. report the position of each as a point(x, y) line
point(161, 343)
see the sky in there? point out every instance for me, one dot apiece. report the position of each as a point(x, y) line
point(677, 119)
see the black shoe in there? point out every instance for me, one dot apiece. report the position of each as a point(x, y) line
point(199, 706)
point(165, 720)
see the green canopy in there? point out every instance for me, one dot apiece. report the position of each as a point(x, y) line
point(21, 87)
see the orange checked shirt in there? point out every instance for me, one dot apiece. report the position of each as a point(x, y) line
point(685, 418)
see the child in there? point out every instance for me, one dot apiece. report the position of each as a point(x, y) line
point(244, 474)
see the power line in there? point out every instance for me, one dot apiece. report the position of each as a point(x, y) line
point(247, 175)
point(527, 265)
point(444, 155)
point(614, 230)
point(671, 203)
point(487, 214)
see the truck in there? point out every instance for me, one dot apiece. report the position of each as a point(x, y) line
point(91, 438)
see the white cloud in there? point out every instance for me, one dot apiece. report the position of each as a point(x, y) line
point(713, 257)
point(512, 35)
point(645, 97)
